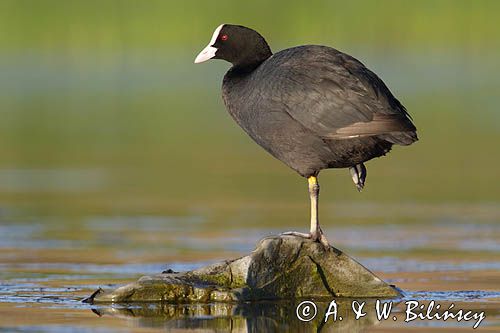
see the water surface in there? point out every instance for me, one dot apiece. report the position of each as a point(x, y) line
point(117, 159)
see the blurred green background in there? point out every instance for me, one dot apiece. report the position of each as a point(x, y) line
point(118, 158)
point(102, 110)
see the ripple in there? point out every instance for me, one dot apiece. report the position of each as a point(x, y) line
point(394, 265)
point(462, 295)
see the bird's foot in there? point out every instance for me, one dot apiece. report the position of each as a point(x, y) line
point(317, 236)
point(358, 174)
point(298, 234)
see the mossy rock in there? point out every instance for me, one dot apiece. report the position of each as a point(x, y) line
point(281, 267)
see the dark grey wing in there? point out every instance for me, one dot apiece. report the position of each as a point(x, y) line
point(336, 96)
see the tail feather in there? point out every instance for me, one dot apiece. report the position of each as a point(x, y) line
point(400, 138)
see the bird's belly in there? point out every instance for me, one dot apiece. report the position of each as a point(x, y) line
point(301, 149)
point(287, 140)
point(350, 152)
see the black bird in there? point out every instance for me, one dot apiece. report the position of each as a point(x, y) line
point(312, 107)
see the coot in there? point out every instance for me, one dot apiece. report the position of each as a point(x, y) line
point(312, 107)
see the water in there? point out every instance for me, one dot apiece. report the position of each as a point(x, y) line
point(46, 269)
point(117, 159)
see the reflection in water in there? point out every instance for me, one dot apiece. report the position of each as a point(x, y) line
point(430, 311)
point(246, 317)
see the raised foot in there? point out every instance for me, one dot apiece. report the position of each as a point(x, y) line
point(317, 236)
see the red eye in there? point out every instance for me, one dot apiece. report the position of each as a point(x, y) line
point(224, 37)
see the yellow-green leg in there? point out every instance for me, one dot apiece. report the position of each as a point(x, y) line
point(315, 232)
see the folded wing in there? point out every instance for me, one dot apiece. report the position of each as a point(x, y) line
point(337, 97)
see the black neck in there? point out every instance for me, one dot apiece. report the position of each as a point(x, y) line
point(253, 58)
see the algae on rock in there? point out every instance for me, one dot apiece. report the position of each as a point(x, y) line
point(281, 267)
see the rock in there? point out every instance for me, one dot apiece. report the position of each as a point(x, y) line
point(281, 267)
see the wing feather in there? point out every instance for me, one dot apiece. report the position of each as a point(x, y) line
point(335, 95)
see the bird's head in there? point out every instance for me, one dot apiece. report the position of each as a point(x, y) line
point(241, 46)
